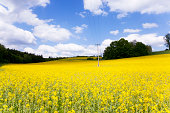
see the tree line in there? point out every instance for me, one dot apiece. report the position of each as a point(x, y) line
point(15, 56)
point(124, 49)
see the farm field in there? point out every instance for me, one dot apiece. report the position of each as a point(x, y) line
point(140, 84)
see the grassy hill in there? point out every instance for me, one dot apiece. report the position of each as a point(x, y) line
point(161, 52)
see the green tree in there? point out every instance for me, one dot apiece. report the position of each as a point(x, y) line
point(125, 49)
point(167, 40)
point(149, 49)
point(27, 58)
point(140, 49)
point(118, 49)
point(3, 54)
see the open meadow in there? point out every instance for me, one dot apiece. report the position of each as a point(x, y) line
point(140, 84)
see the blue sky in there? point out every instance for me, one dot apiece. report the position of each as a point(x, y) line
point(73, 27)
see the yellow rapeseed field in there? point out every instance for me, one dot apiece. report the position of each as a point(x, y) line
point(140, 84)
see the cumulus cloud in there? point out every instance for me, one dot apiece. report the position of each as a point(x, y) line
point(12, 36)
point(44, 50)
point(114, 32)
point(123, 7)
point(79, 29)
point(60, 50)
point(29, 18)
point(68, 50)
point(148, 39)
point(18, 5)
point(105, 44)
point(51, 33)
point(131, 30)
point(149, 25)
point(20, 11)
point(94, 6)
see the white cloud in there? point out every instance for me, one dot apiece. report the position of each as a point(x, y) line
point(69, 47)
point(68, 50)
point(84, 25)
point(60, 50)
point(12, 36)
point(105, 44)
point(149, 39)
point(44, 50)
point(131, 30)
point(94, 6)
point(18, 5)
point(79, 29)
point(149, 25)
point(122, 15)
point(82, 14)
point(51, 33)
point(20, 11)
point(29, 50)
point(123, 6)
point(114, 32)
point(29, 18)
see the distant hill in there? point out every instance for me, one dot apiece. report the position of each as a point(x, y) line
point(161, 52)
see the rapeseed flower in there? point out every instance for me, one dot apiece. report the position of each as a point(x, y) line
point(127, 85)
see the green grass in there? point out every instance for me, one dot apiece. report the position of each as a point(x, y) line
point(0, 67)
point(1, 64)
point(161, 52)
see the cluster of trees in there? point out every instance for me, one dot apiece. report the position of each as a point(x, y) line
point(124, 49)
point(14, 56)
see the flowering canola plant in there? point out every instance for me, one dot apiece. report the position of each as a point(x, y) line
point(140, 84)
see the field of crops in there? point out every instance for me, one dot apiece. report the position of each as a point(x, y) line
point(131, 85)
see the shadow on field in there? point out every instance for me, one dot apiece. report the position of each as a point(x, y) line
point(1, 66)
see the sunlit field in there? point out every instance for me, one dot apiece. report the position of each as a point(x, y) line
point(130, 85)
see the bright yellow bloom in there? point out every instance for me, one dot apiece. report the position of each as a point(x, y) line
point(27, 105)
point(131, 85)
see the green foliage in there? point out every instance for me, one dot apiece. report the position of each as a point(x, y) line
point(51, 59)
point(161, 52)
point(140, 49)
point(14, 56)
point(125, 49)
point(90, 58)
point(167, 40)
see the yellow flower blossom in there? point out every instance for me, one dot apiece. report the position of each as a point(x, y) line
point(129, 85)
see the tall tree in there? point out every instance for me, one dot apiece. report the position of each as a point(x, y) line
point(167, 40)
